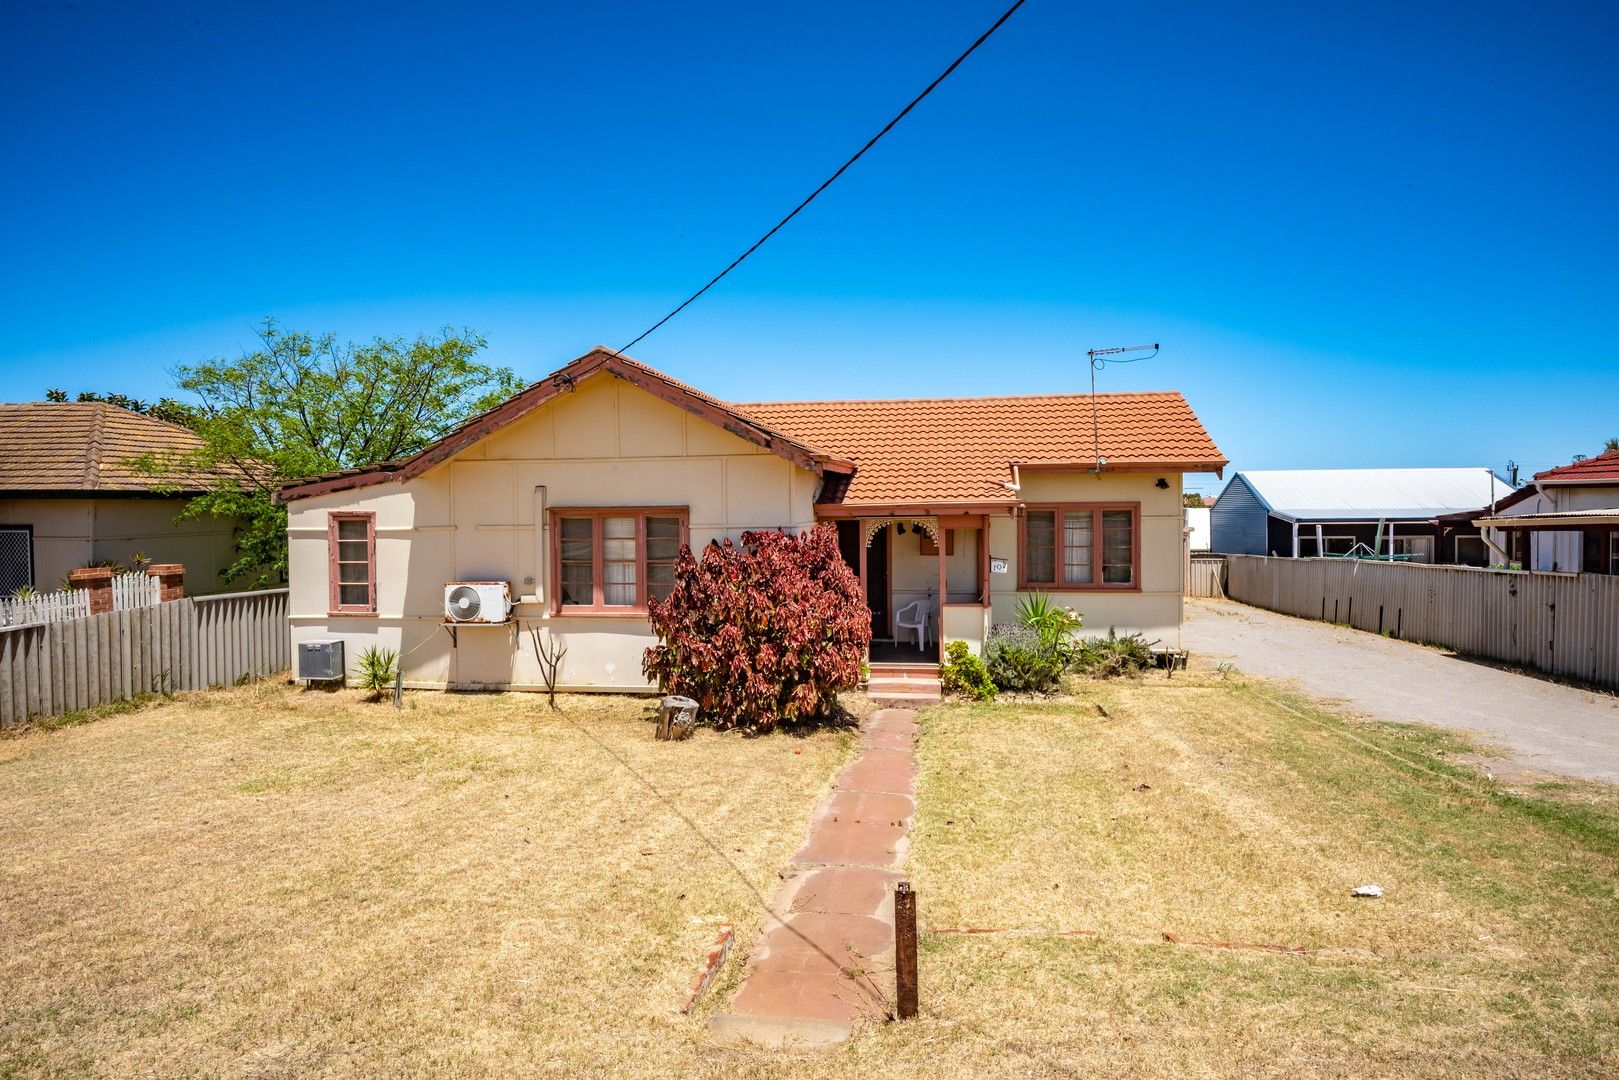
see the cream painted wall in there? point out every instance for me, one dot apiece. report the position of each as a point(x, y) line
point(1156, 610)
point(916, 575)
point(71, 533)
point(481, 517)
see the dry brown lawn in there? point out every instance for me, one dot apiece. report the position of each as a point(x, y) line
point(271, 882)
point(1227, 811)
point(266, 882)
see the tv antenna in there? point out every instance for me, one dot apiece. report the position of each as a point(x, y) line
point(1101, 358)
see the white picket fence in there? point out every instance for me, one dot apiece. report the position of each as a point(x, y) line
point(133, 589)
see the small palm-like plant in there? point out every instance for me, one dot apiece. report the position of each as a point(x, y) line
point(378, 670)
point(23, 592)
point(1054, 623)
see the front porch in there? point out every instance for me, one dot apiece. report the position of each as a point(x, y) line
point(907, 564)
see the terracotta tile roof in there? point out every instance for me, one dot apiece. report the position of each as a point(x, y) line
point(933, 451)
point(83, 446)
point(1604, 466)
point(960, 450)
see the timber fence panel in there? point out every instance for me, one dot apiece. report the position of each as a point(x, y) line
point(1560, 624)
point(1207, 577)
point(51, 668)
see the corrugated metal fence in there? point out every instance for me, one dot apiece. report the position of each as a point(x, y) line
point(54, 668)
point(1562, 624)
point(1206, 576)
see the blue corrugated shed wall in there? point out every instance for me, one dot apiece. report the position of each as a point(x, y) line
point(1237, 523)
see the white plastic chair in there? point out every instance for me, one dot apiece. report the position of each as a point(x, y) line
point(918, 616)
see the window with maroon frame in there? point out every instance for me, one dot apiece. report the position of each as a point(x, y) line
point(613, 561)
point(1078, 546)
point(351, 548)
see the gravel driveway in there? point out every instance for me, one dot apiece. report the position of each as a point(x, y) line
point(1544, 726)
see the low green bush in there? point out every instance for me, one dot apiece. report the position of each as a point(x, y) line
point(1111, 657)
point(965, 674)
point(1017, 659)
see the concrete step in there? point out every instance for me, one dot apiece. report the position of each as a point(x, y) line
point(911, 683)
point(922, 669)
point(921, 691)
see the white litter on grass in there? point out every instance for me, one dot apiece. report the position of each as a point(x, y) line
point(1367, 890)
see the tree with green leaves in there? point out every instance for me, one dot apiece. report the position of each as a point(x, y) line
point(1611, 445)
point(300, 405)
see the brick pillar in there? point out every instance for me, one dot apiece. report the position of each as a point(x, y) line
point(171, 578)
point(97, 581)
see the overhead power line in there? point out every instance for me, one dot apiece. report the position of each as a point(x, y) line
point(774, 229)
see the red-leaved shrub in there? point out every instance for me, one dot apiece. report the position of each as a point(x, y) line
point(767, 630)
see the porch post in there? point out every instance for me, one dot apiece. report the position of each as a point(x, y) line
point(865, 597)
point(983, 559)
point(1295, 539)
point(944, 546)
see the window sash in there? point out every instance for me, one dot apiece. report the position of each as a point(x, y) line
point(351, 551)
point(610, 561)
point(1081, 547)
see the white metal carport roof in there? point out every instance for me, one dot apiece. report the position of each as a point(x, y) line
point(1374, 494)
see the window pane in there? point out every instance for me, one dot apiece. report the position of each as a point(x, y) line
point(660, 579)
point(352, 528)
point(1078, 547)
point(662, 538)
point(353, 551)
point(577, 534)
point(1039, 556)
point(577, 586)
point(353, 573)
point(1118, 547)
point(618, 561)
point(354, 595)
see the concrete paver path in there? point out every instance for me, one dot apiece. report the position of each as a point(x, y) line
point(1545, 726)
point(825, 960)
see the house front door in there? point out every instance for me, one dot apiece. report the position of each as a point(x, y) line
point(877, 597)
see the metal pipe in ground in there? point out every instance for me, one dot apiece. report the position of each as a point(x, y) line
point(905, 950)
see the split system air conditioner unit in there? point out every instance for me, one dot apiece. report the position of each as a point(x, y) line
point(476, 602)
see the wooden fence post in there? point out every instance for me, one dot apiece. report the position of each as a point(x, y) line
point(905, 950)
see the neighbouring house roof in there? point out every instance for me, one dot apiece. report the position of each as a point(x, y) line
point(1602, 469)
point(941, 451)
point(1373, 494)
point(961, 450)
point(85, 446)
point(1552, 519)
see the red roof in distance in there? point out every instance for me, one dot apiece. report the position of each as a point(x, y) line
point(1604, 466)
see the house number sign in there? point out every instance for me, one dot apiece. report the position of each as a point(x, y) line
point(997, 566)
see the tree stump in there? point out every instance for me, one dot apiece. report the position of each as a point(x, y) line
point(677, 716)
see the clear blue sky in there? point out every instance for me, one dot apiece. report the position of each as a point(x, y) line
point(1365, 234)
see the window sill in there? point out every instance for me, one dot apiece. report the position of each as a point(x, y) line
point(353, 613)
point(599, 613)
point(1033, 586)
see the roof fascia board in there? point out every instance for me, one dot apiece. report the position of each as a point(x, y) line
point(1089, 465)
point(1578, 481)
point(842, 511)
